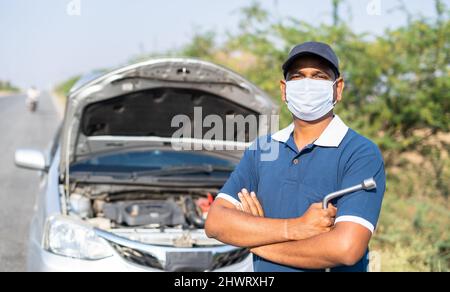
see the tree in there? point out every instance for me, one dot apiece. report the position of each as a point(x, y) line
point(336, 4)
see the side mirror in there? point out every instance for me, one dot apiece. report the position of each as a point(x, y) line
point(30, 159)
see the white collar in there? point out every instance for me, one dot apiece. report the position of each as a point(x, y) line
point(331, 137)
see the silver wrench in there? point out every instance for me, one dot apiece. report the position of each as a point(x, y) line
point(367, 184)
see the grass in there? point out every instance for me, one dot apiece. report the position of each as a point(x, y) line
point(62, 90)
point(413, 233)
point(6, 88)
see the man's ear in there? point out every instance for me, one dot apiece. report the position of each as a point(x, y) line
point(283, 90)
point(339, 89)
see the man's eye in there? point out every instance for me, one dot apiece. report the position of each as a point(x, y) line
point(296, 77)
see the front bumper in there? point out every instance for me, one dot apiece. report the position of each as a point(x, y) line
point(40, 260)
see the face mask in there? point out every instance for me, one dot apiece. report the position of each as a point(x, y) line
point(309, 99)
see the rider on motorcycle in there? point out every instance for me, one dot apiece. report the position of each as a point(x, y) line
point(32, 98)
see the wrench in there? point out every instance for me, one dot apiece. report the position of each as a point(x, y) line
point(367, 184)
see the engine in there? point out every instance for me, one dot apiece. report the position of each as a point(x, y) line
point(142, 210)
point(137, 213)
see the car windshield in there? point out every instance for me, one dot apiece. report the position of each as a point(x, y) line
point(143, 161)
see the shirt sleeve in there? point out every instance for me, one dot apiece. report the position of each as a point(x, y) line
point(244, 176)
point(362, 207)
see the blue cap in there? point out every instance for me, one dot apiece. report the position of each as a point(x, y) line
point(313, 48)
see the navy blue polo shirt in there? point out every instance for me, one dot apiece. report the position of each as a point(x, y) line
point(288, 180)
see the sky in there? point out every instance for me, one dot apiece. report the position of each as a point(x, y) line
point(43, 42)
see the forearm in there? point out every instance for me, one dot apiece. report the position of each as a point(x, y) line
point(312, 253)
point(240, 229)
point(335, 248)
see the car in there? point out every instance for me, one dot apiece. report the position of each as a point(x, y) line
point(122, 188)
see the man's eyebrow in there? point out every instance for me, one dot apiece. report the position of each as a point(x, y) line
point(298, 71)
point(319, 71)
point(316, 72)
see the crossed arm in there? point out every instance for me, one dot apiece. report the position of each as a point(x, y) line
point(309, 242)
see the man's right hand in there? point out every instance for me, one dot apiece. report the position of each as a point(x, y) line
point(314, 222)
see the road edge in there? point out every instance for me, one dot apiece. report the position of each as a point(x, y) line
point(58, 104)
point(9, 93)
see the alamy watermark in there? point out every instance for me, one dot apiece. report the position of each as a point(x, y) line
point(73, 8)
point(374, 258)
point(229, 133)
point(373, 8)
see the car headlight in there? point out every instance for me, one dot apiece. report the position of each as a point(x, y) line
point(72, 238)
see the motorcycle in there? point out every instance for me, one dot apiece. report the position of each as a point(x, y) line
point(32, 99)
point(32, 105)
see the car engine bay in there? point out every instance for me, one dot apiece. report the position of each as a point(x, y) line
point(167, 225)
point(142, 209)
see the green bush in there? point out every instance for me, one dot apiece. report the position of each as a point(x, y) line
point(63, 88)
point(7, 86)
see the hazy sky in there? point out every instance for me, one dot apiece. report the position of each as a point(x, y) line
point(45, 41)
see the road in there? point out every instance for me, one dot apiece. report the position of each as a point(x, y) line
point(20, 129)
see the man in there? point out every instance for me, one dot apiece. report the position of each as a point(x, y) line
point(33, 93)
point(271, 207)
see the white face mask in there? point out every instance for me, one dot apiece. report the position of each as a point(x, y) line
point(309, 99)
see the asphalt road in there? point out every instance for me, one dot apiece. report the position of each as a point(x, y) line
point(20, 129)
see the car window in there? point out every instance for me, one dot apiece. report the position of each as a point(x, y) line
point(147, 160)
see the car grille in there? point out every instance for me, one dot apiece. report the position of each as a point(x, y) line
point(137, 257)
point(219, 260)
point(223, 260)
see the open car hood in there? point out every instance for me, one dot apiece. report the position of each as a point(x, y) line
point(134, 106)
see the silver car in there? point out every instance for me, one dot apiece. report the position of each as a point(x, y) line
point(121, 190)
